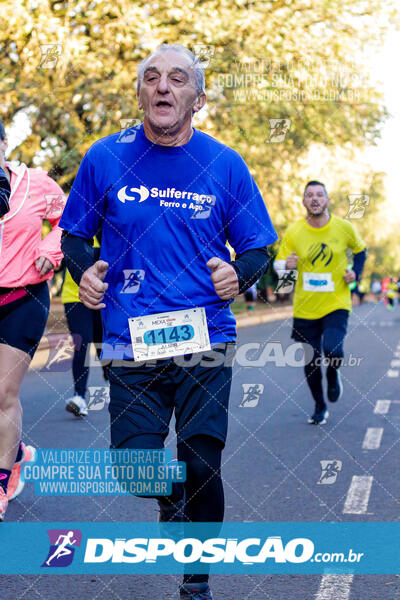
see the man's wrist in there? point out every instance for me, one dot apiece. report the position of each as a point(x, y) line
point(249, 267)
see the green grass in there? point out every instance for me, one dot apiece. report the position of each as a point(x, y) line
point(240, 308)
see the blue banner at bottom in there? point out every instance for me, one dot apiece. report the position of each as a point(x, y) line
point(233, 548)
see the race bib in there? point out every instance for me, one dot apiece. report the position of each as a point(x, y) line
point(169, 334)
point(318, 282)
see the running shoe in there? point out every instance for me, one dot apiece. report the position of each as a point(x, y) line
point(195, 591)
point(3, 503)
point(15, 483)
point(319, 417)
point(171, 512)
point(171, 518)
point(335, 388)
point(77, 406)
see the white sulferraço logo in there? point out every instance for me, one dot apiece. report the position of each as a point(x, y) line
point(142, 191)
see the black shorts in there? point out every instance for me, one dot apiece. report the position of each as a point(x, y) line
point(330, 330)
point(22, 322)
point(143, 397)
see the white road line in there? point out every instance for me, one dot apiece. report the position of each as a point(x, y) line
point(372, 439)
point(335, 587)
point(356, 502)
point(382, 407)
point(392, 373)
point(397, 354)
point(395, 363)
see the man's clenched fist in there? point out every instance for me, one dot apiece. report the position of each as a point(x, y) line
point(349, 276)
point(291, 261)
point(92, 287)
point(224, 278)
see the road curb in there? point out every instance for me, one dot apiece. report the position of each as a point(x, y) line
point(266, 317)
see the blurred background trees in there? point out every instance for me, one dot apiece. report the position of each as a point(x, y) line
point(68, 77)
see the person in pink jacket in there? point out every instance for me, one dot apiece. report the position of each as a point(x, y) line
point(26, 263)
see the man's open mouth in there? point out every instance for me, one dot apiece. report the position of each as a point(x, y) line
point(163, 103)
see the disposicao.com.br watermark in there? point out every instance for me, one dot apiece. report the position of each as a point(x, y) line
point(228, 548)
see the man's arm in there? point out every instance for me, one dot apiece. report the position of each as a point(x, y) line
point(85, 270)
point(358, 263)
point(248, 230)
point(249, 267)
point(78, 253)
point(286, 258)
point(357, 245)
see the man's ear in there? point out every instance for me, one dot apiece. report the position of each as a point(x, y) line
point(200, 102)
point(139, 101)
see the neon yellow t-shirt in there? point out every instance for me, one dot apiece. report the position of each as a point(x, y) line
point(320, 288)
point(70, 291)
point(363, 287)
point(392, 290)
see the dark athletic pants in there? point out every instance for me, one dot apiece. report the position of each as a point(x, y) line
point(142, 400)
point(325, 335)
point(85, 326)
point(203, 487)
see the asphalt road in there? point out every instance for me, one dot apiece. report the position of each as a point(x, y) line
point(271, 464)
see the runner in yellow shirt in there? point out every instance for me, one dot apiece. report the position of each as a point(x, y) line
point(362, 289)
point(316, 246)
point(391, 293)
point(85, 326)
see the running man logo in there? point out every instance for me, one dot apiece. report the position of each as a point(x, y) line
point(320, 252)
point(133, 279)
point(99, 396)
point(50, 55)
point(54, 205)
point(63, 543)
point(286, 282)
point(278, 130)
point(129, 129)
point(357, 206)
point(61, 351)
point(330, 469)
point(251, 394)
point(204, 54)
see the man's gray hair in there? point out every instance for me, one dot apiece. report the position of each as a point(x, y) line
point(196, 65)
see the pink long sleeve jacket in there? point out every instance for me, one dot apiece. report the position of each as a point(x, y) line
point(34, 197)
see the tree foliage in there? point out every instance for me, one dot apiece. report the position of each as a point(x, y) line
point(299, 61)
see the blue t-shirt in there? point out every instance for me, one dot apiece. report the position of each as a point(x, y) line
point(164, 211)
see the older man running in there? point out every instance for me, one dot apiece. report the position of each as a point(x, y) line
point(168, 201)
